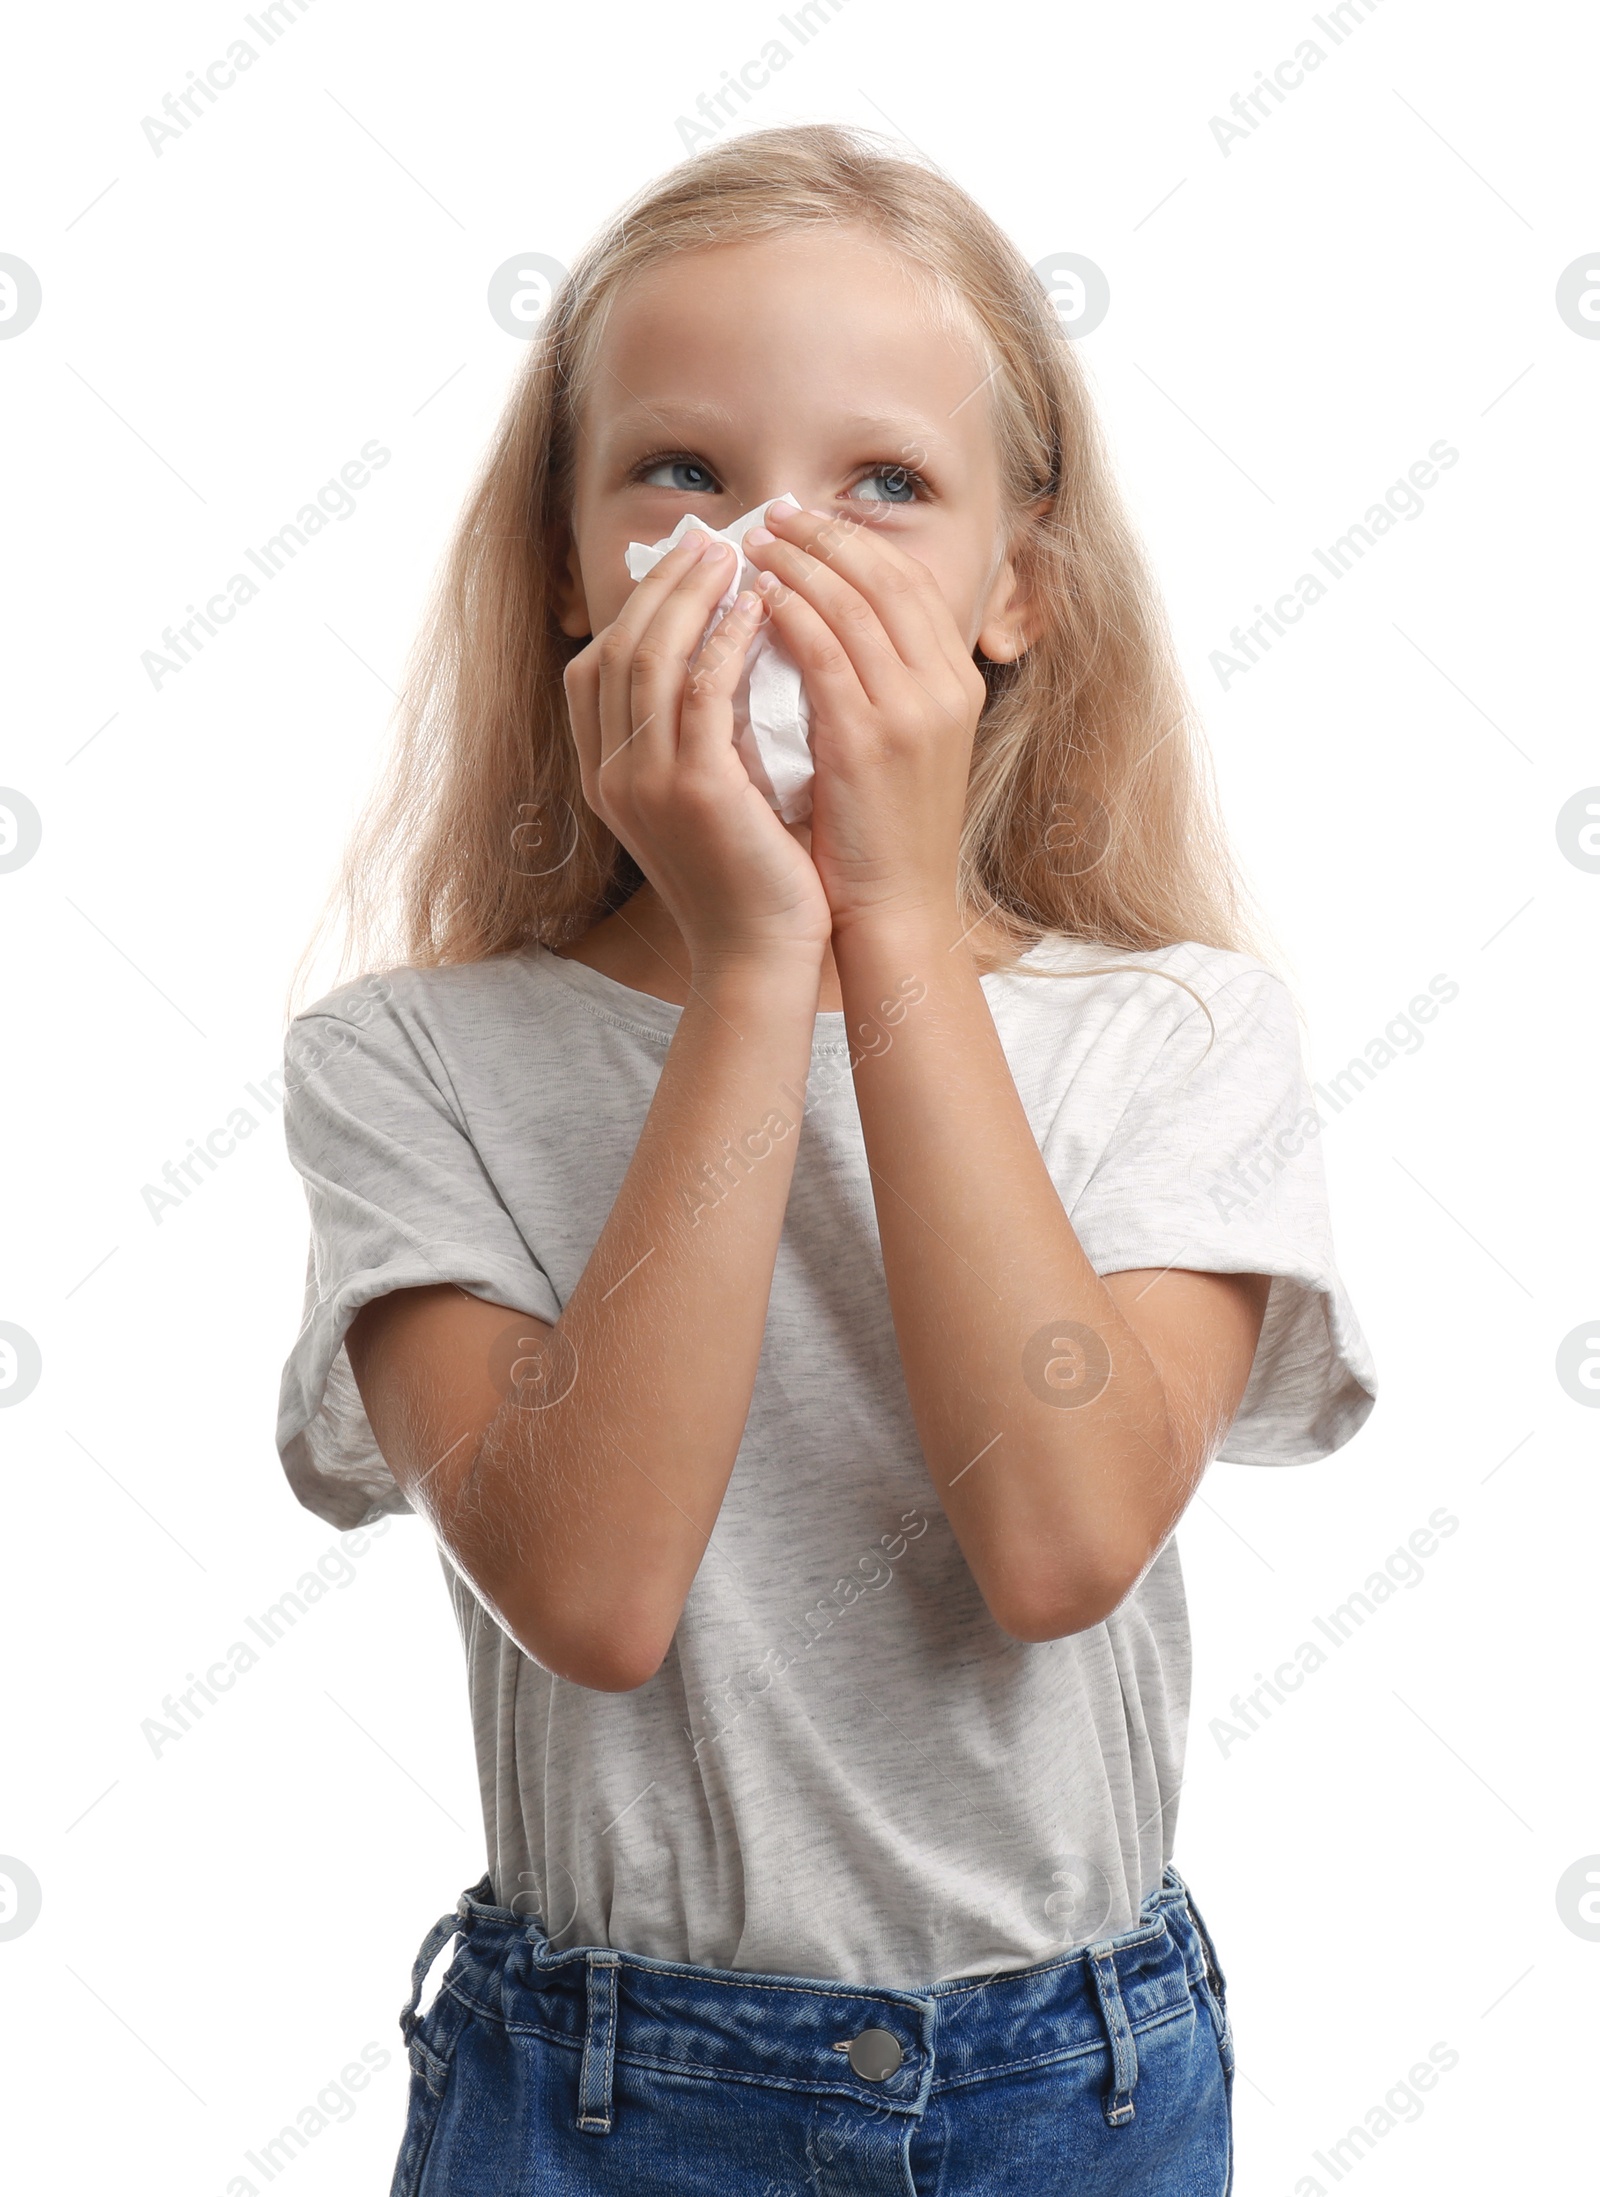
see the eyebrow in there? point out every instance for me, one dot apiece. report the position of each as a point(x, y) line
point(694, 412)
point(904, 423)
point(690, 410)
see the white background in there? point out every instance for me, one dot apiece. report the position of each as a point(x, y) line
point(1292, 325)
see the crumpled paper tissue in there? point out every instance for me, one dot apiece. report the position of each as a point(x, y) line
point(771, 716)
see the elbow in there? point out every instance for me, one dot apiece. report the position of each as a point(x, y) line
point(600, 1669)
point(1037, 1624)
point(586, 1639)
point(591, 1649)
point(1052, 1608)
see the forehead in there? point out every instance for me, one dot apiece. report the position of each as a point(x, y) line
point(821, 323)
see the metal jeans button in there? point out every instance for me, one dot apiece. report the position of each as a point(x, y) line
point(875, 2054)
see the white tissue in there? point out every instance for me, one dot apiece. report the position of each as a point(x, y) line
point(771, 716)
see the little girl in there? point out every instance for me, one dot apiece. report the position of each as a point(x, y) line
point(802, 1270)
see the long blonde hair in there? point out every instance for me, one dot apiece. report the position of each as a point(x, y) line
point(1090, 809)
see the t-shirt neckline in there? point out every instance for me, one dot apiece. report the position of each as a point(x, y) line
point(643, 1010)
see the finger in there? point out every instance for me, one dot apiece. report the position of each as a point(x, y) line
point(829, 675)
point(659, 669)
point(647, 597)
point(877, 663)
point(581, 680)
point(583, 675)
point(644, 657)
point(828, 667)
point(705, 722)
point(900, 588)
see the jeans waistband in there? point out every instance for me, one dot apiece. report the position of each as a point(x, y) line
point(795, 2031)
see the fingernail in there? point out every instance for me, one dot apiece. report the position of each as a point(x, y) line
point(756, 536)
point(746, 603)
point(718, 549)
point(768, 582)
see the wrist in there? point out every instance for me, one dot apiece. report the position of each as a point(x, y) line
point(931, 932)
point(794, 963)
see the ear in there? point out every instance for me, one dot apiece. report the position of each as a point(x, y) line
point(566, 578)
point(1009, 621)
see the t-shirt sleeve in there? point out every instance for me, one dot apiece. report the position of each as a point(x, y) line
point(398, 1199)
point(1216, 1165)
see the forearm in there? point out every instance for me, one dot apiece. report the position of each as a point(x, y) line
point(588, 1516)
point(1040, 1414)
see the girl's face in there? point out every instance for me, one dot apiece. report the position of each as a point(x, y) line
point(804, 362)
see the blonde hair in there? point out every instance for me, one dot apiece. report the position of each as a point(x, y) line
point(1090, 810)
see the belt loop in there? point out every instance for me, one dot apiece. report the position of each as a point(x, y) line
point(445, 1927)
point(1124, 2056)
point(599, 2044)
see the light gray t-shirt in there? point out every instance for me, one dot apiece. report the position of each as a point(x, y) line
point(844, 1767)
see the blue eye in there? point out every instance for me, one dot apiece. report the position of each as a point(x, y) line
point(686, 476)
point(889, 484)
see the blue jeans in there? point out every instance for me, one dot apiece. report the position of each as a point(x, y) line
point(545, 2073)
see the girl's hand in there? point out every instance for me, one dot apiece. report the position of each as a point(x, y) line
point(895, 698)
point(652, 717)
